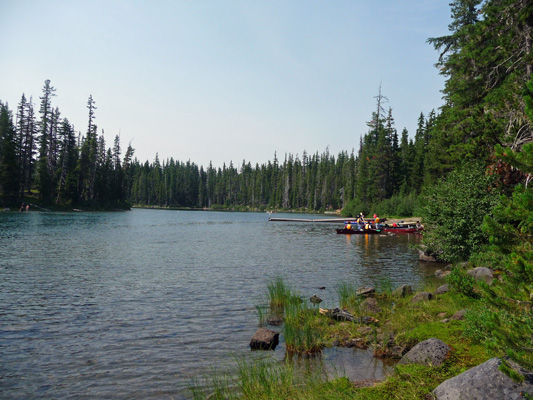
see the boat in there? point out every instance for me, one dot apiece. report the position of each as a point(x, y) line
point(346, 231)
point(402, 229)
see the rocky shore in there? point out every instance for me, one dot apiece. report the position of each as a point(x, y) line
point(419, 328)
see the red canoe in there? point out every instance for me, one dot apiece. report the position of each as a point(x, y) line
point(347, 231)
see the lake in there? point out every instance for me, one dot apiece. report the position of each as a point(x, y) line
point(136, 304)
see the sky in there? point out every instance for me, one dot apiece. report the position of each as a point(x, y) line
point(225, 81)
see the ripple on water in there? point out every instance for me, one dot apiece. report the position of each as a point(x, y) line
point(136, 304)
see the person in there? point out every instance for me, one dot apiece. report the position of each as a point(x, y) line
point(22, 207)
point(419, 225)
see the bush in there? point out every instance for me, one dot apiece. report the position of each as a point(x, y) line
point(454, 209)
point(462, 282)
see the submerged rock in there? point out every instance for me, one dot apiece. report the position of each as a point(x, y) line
point(315, 299)
point(275, 320)
point(427, 257)
point(264, 339)
point(486, 381)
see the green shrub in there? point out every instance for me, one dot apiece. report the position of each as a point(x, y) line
point(463, 283)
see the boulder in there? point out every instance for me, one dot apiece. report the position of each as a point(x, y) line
point(366, 291)
point(442, 289)
point(441, 274)
point(421, 296)
point(481, 274)
point(486, 381)
point(402, 291)
point(459, 315)
point(264, 339)
point(430, 352)
point(427, 257)
point(370, 305)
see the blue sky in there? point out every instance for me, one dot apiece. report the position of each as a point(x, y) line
point(227, 80)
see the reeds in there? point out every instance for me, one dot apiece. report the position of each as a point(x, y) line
point(280, 295)
point(300, 318)
point(347, 294)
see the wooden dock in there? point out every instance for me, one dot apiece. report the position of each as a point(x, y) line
point(324, 220)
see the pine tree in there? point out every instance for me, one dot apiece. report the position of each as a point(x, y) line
point(9, 167)
point(44, 166)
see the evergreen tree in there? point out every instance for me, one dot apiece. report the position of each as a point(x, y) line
point(9, 168)
point(44, 166)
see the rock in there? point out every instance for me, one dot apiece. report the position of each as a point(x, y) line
point(445, 320)
point(442, 289)
point(481, 274)
point(441, 315)
point(430, 352)
point(459, 315)
point(367, 320)
point(366, 291)
point(402, 291)
point(364, 330)
point(315, 299)
point(421, 296)
point(425, 256)
point(365, 383)
point(442, 274)
point(264, 339)
point(486, 381)
point(275, 320)
point(356, 342)
point(370, 305)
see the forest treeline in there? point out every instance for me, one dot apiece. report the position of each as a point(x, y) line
point(43, 156)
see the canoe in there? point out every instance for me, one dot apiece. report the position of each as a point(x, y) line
point(346, 231)
point(402, 230)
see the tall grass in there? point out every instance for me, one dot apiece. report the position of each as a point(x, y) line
point(269, 379)
point(301, 329)
point(261, 314)
point(346, 293)
point(279, 294)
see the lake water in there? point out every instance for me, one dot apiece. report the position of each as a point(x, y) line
point(136, 304)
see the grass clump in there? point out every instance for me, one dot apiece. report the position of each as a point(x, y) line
point(303, 329)
point(280, 295)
